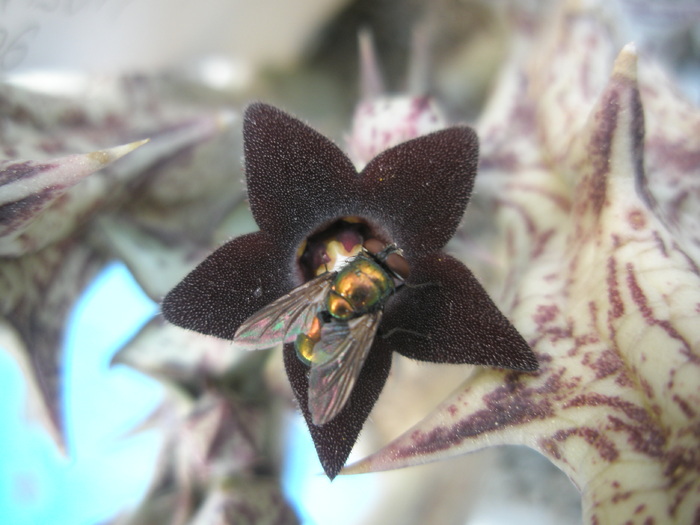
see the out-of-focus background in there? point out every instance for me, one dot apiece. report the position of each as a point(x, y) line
point(302, 55)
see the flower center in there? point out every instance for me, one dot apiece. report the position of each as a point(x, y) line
point(331, 248)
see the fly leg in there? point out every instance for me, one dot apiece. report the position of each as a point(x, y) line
point(396, 330)
point(418, 286)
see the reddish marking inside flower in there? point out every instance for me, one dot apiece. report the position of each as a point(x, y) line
point(631, 410)
point(348, 238)
point(621, 496)
point(545, 314)
point(680, 496)
point(644, 438)
point(623, 379)
point(550, 448)
point(600, 149)
point(324, 249)
point(636, 219)
point(541, 243)
point(605, 447)
point(676, 154)
point(684, 406)
point(512, 404)
point(640, 299)
point(608, 363)
point(327, 249)
point(661, 245)
point(616, 304)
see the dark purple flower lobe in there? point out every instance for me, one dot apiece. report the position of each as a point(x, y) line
point(418, 190)
point(231, 284)
point(297, 179)
point(414, 194)
point(444, 315)
point(335, 439)
point(300, 186)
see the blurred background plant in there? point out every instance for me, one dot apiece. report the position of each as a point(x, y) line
point(181, 429)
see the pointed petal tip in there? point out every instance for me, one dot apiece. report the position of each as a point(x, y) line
point(44, 411)
point(258, 107)
point(118, 359)
point(527, 367)
point(530, 362)
point(626, 62)
point(106, 156)
point(360, 467)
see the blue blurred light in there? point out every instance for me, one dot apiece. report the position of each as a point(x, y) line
point(347, 500)
point(105, 471)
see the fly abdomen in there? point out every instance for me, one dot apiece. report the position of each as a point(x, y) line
point(305, 343)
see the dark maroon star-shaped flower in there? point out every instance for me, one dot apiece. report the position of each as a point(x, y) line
point(414, 195)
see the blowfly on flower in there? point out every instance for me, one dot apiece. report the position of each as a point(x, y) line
point(347, 269)
point(332, 321)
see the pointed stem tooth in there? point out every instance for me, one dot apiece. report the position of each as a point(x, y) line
point(371, 81)
point(627, 139)
point(417, 82)
point(39, 409)
point(611, 146)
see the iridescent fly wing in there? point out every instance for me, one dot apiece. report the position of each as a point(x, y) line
point(282, 320)
point(336, 363)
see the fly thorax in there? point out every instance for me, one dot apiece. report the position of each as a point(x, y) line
point(358, 288)
point(339, 307)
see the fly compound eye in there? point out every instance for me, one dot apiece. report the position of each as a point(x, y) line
point(374, 246)
point(391, 256)
point(398, 265)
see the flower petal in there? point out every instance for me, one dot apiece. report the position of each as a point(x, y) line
point(231, 284)
point(37, 294)
point(335, 439)
point(39, 192)
point(444, 315)
point(297, 178)
point(163, 350)
point(418, 190)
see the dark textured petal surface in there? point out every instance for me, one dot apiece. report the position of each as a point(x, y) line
point(297, 178)
point(444, 315)
point(231, 284)
point(413, 194)
point(418, 190)
point(335, 439)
